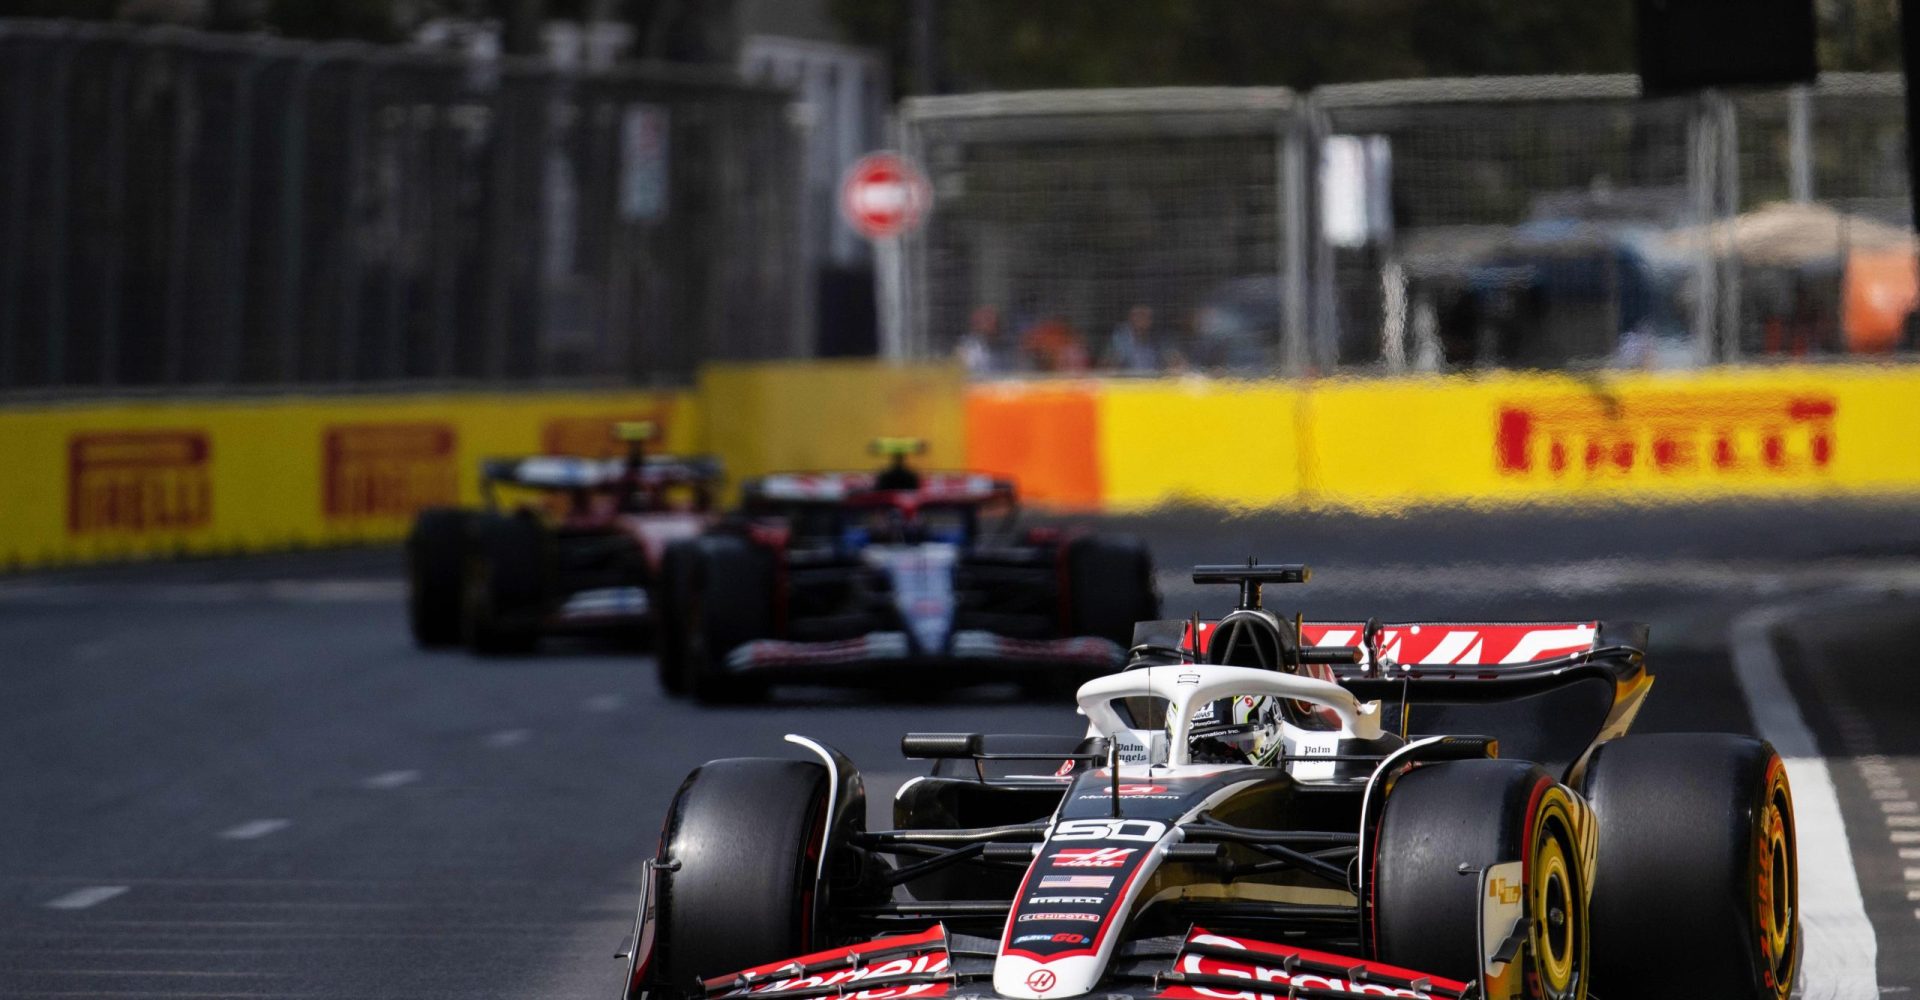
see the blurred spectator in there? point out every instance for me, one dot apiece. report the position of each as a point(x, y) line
point(982, 349)
point(1134, 346)
point(1051, 344)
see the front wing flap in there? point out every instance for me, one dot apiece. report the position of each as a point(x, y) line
point(1204, 966)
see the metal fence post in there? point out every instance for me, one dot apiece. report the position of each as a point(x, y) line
point(15, 250)
point(1293, 177)
point(240, 198)
point(495, 339)
point(1800, 143)
point(173, 368)
point(443, 206)
point(1320, 274)
point(900, 265)
point(58, 210)
point(293, 157)
point(1729, 208)
point(347, 321)
point(114, 265)
point(1702, 166)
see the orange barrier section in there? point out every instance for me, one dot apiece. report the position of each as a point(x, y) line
point(1044, 436)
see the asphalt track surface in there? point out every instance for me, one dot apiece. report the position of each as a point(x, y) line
point(238, 778)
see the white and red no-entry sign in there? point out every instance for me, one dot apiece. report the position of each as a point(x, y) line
point(884, 195)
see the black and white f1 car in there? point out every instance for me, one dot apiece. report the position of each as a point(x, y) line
point(894, 577)
point(580, 551)
point(1261, 808)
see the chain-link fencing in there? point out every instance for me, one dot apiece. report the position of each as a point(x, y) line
point(1545, 222)
point(1075, 228)
point(189, 210)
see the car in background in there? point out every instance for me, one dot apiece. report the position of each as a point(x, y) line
point(894, 578)
point(575, 546)
point(1259, 807)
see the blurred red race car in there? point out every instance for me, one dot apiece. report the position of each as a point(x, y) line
point(894, 577)
point(580, 550)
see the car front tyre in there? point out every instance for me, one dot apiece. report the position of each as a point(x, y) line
point(742, 847)
point(1444, 823)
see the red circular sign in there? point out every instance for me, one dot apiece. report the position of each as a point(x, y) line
point(1040, 980)
point(884, 195)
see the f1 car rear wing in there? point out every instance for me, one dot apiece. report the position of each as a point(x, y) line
point(1391, 653)
point(1593, 675)
point(567, 472)
point(861, 489)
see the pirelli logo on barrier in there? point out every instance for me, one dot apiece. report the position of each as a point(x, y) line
point(387, 470)
point(1691, 435)
point(139, 482)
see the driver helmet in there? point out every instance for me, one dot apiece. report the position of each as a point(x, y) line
point(1243, 729)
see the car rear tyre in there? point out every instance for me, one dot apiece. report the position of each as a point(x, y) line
point(1110, 586)
point(506, 586)
point(743, 843)
point(1698, 888)
point(669, 629)
point(437, 550)
point(1441, 819)
point(728, 603)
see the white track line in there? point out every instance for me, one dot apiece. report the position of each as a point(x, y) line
point(80, 899)
point(1839, 961)
point(390, 779)
point(255, 829)
point(508, 738)
point(604, 703)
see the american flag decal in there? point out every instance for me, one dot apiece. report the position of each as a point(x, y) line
point(1076, 881)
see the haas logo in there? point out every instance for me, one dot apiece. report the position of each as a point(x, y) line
point(1040, 980)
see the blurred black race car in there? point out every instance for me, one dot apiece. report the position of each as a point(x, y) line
point(578, 549)
point(894, 577)
point(1260, 808)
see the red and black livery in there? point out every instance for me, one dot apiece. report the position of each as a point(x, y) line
point(1261, 807)
point(897, 577)
point(561, 544)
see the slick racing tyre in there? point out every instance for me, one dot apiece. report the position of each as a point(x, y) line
point(743, 843)
point(506, 585)
point(1698, 889)
point(669, 629)
point(436, 568)
point(1110, 581)
point(728, 602)
point(1473, 814)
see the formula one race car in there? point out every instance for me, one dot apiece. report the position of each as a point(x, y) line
point(851, 577)
point(1261, 808)
point(580, 551)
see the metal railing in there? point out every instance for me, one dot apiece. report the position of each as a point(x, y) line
point(1408, 225)
point(182, 210)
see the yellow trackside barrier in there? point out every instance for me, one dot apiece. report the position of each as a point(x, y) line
point(137, 479)
point(1500, 438)
point(1652, 437)
point(783, 416)
point(1195, 441)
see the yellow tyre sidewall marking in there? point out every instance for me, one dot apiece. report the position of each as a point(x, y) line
point(1560, 955)
point(1776, 891)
